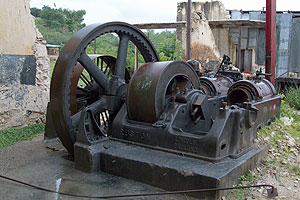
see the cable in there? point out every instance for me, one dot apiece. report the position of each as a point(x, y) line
point(139, 195)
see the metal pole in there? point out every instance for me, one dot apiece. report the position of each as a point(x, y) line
point(188, 29)
point(271, 39)
point(95, 46)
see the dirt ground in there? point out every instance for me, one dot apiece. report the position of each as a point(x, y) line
point(281, 167)
point(277, 174)
point(47, 166)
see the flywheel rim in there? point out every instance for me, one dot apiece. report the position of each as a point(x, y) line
point(69, 56)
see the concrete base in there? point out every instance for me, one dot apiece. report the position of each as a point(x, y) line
point(166, 170)
point(47, 166)
point(87, 157)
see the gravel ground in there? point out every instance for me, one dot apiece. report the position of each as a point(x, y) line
point(281, 168)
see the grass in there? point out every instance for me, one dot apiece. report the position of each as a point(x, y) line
point(52, 64)
point(247, 179)
point(296, 169)
point(278, 130)
point(11, 136)
point(279, 134)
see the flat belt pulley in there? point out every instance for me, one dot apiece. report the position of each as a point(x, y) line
point(104, 81)
point(153, 84)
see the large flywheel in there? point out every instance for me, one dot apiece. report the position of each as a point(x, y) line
point(80, 81)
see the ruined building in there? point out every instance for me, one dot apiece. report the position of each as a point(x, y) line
point(241, 35)
point(24, 67)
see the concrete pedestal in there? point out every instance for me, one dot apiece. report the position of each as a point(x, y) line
point(166, 170)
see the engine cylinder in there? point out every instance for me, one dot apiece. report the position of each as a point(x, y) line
point(250, 90)
point(215, 86)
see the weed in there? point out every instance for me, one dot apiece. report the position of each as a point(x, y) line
point(278, 135)
point(10, 136)
point(292, 97)
point(247, 179)
point(265, 161)
point(296, 169)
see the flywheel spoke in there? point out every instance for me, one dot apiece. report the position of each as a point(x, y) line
point(122, 55)
point(94, 70)
point(101, 63)
point(103, 120)
point(96, 107)
point(84, 98)
point(85, 80)
point(82, 91)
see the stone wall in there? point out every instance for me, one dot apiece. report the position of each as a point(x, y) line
point(204, 47)
point(223, 40)
point(24, 67)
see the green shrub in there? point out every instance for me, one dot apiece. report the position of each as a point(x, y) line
point(292, 97)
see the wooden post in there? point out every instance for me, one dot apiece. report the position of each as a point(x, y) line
point(239, 56)
point(188, 29)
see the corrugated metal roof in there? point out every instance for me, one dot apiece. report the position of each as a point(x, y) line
point(53, 46)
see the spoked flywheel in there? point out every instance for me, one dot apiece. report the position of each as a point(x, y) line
point(84, 90)
point(94, 82)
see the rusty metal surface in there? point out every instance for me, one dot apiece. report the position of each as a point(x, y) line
point(250, 90)
point(74, 91)
point(151, 86)
point(215, 86)
point(73, 52)
point(271, 39)
point(206, 124)
point(218, 83)
point(163, 112)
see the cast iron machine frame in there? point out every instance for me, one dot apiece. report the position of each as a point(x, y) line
point(157, 125)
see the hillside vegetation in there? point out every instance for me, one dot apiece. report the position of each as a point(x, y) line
point(58, 25)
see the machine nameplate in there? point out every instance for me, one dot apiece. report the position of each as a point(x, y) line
point(134, 135)
point(185, 144)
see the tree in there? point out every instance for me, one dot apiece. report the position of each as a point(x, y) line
point(36, 12)
point(53, 17)
point(57, 25)
point(74, 18)
point(60, 18)
point(166, 44)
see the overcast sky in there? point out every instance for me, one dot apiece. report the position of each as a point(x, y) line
point(145, 11)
